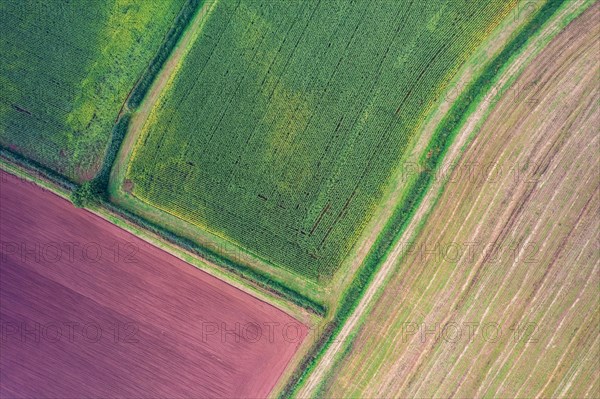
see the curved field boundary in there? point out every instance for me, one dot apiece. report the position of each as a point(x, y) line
point(406, 218)
point(139, 92)
point(546, 129)
point(370, 104)
point(159, 63)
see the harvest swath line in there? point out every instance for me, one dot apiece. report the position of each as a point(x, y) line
point(538, 289)
point(430, 282)
point(576, 157)
point(512, 269)
point(502, 286)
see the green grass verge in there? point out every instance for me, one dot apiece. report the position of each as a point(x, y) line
point(261, 279)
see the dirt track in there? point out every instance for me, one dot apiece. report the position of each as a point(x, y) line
point(159, 85)
point(88, 310)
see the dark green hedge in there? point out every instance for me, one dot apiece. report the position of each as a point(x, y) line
point(37, 168)
point(116, 139)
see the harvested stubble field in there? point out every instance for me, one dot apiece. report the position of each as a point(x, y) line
point(67, 69)
point(88, 310)
point(498, 296)
point(285, 119)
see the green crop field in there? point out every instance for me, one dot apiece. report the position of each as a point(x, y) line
point(65, 71)
point(283, 126)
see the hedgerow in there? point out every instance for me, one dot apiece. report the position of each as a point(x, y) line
point(67, 69)
point(37, 169)
point(261, 279)
point(116, 139)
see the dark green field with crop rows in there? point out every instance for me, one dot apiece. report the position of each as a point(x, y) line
point(67, 67)
point(283, 126)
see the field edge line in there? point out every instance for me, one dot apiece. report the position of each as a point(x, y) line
point(422, 183)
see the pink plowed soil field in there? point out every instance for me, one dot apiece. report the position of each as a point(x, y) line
point(89, 310)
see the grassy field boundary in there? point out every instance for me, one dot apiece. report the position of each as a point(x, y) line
point(260, 279)
point(109, 182)
point(348, 344)
point(190, 8)
point(65, 184)
point(540, 44)
point(182, 22)
point(141, 88)
point(560, 21)
point(431, 158)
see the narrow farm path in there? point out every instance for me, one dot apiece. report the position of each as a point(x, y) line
point(473, 68)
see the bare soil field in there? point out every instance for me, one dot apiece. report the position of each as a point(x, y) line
point(89, 310)
point(498, 296)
